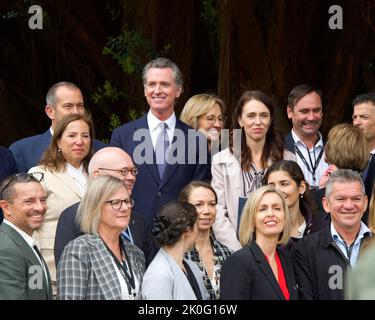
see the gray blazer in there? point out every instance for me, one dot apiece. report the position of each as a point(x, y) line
point(86, 272)
point(17, 260)
point(164, 280)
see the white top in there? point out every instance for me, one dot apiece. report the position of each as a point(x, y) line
point(155, 127)
point(30, 241)
point(312, 154)
point(124, 287)
point(301, 229)
point(79, 176)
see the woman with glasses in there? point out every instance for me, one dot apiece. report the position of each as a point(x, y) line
point(238, 171)
point(204, 112)
point(170, 276)
point(64, 165)
point(208, 253)
point(101, 265)
point(261, 270)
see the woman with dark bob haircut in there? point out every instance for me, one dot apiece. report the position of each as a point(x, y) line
point(287, 177)
point(170, 276)
point(238, 170)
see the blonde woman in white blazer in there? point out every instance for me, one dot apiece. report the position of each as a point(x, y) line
point(64, 165)
point(238, 175)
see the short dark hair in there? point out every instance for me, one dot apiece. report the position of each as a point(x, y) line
point(173, 219)
point(364, 98)
point(298, 92)
point(9, 183)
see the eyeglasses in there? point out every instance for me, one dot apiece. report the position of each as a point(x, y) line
point(24, 177)
point(116, 204)
point(212, 119)
point(124, 172)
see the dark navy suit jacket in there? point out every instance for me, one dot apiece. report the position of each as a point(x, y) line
point(67, 230)
point(7, 167)
point(149, 191)
point(28, 151)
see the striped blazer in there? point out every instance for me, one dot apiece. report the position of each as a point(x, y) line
point(86, 271)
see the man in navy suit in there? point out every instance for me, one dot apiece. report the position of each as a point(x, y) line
point(364, 118)
point(62, 98)
point(7, 167)
point(115, 162)
point(160, 181)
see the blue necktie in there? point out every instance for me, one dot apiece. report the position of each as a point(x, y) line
point(161, 148)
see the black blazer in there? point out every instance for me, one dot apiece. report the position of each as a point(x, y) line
point(247, 275)
point(67, 230)
point(320, 266)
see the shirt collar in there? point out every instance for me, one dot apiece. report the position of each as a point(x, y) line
point(361, 234)
point(75, 171)
point(30, 241)
point(154, 122)
point(297, 140)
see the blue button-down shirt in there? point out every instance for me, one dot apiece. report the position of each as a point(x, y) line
point(350, 252)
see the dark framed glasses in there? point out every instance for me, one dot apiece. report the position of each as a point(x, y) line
point(124, 171)
point(116, 204)
point(24, 177)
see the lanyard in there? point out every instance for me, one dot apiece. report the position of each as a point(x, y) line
point(125, 267)
point(314, 166)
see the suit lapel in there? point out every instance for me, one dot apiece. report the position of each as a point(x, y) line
point(152, 168)
point(104, 269)
point(29, 254)
point(266, 268)
point(67, 180)
point(179, 158)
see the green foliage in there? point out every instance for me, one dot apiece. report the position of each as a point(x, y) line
point(126, 49)
point(210, 15)
point(114, 122)
point(107, 91)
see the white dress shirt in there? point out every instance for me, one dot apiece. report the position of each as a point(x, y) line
point(312, 154)
point(155, 127)
point(79, 176)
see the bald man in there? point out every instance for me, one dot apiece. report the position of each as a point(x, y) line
point(117, 163)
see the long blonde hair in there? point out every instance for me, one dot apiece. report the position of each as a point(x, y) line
point(247, 223)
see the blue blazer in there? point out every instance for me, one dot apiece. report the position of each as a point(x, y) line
point(149, 192)
point(7, 167)
point(28, 151)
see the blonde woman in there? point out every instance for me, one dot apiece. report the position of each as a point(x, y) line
point(204, 112)
point(101, 265)
point(260, 270)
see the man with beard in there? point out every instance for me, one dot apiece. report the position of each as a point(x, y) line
point(305, 141)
